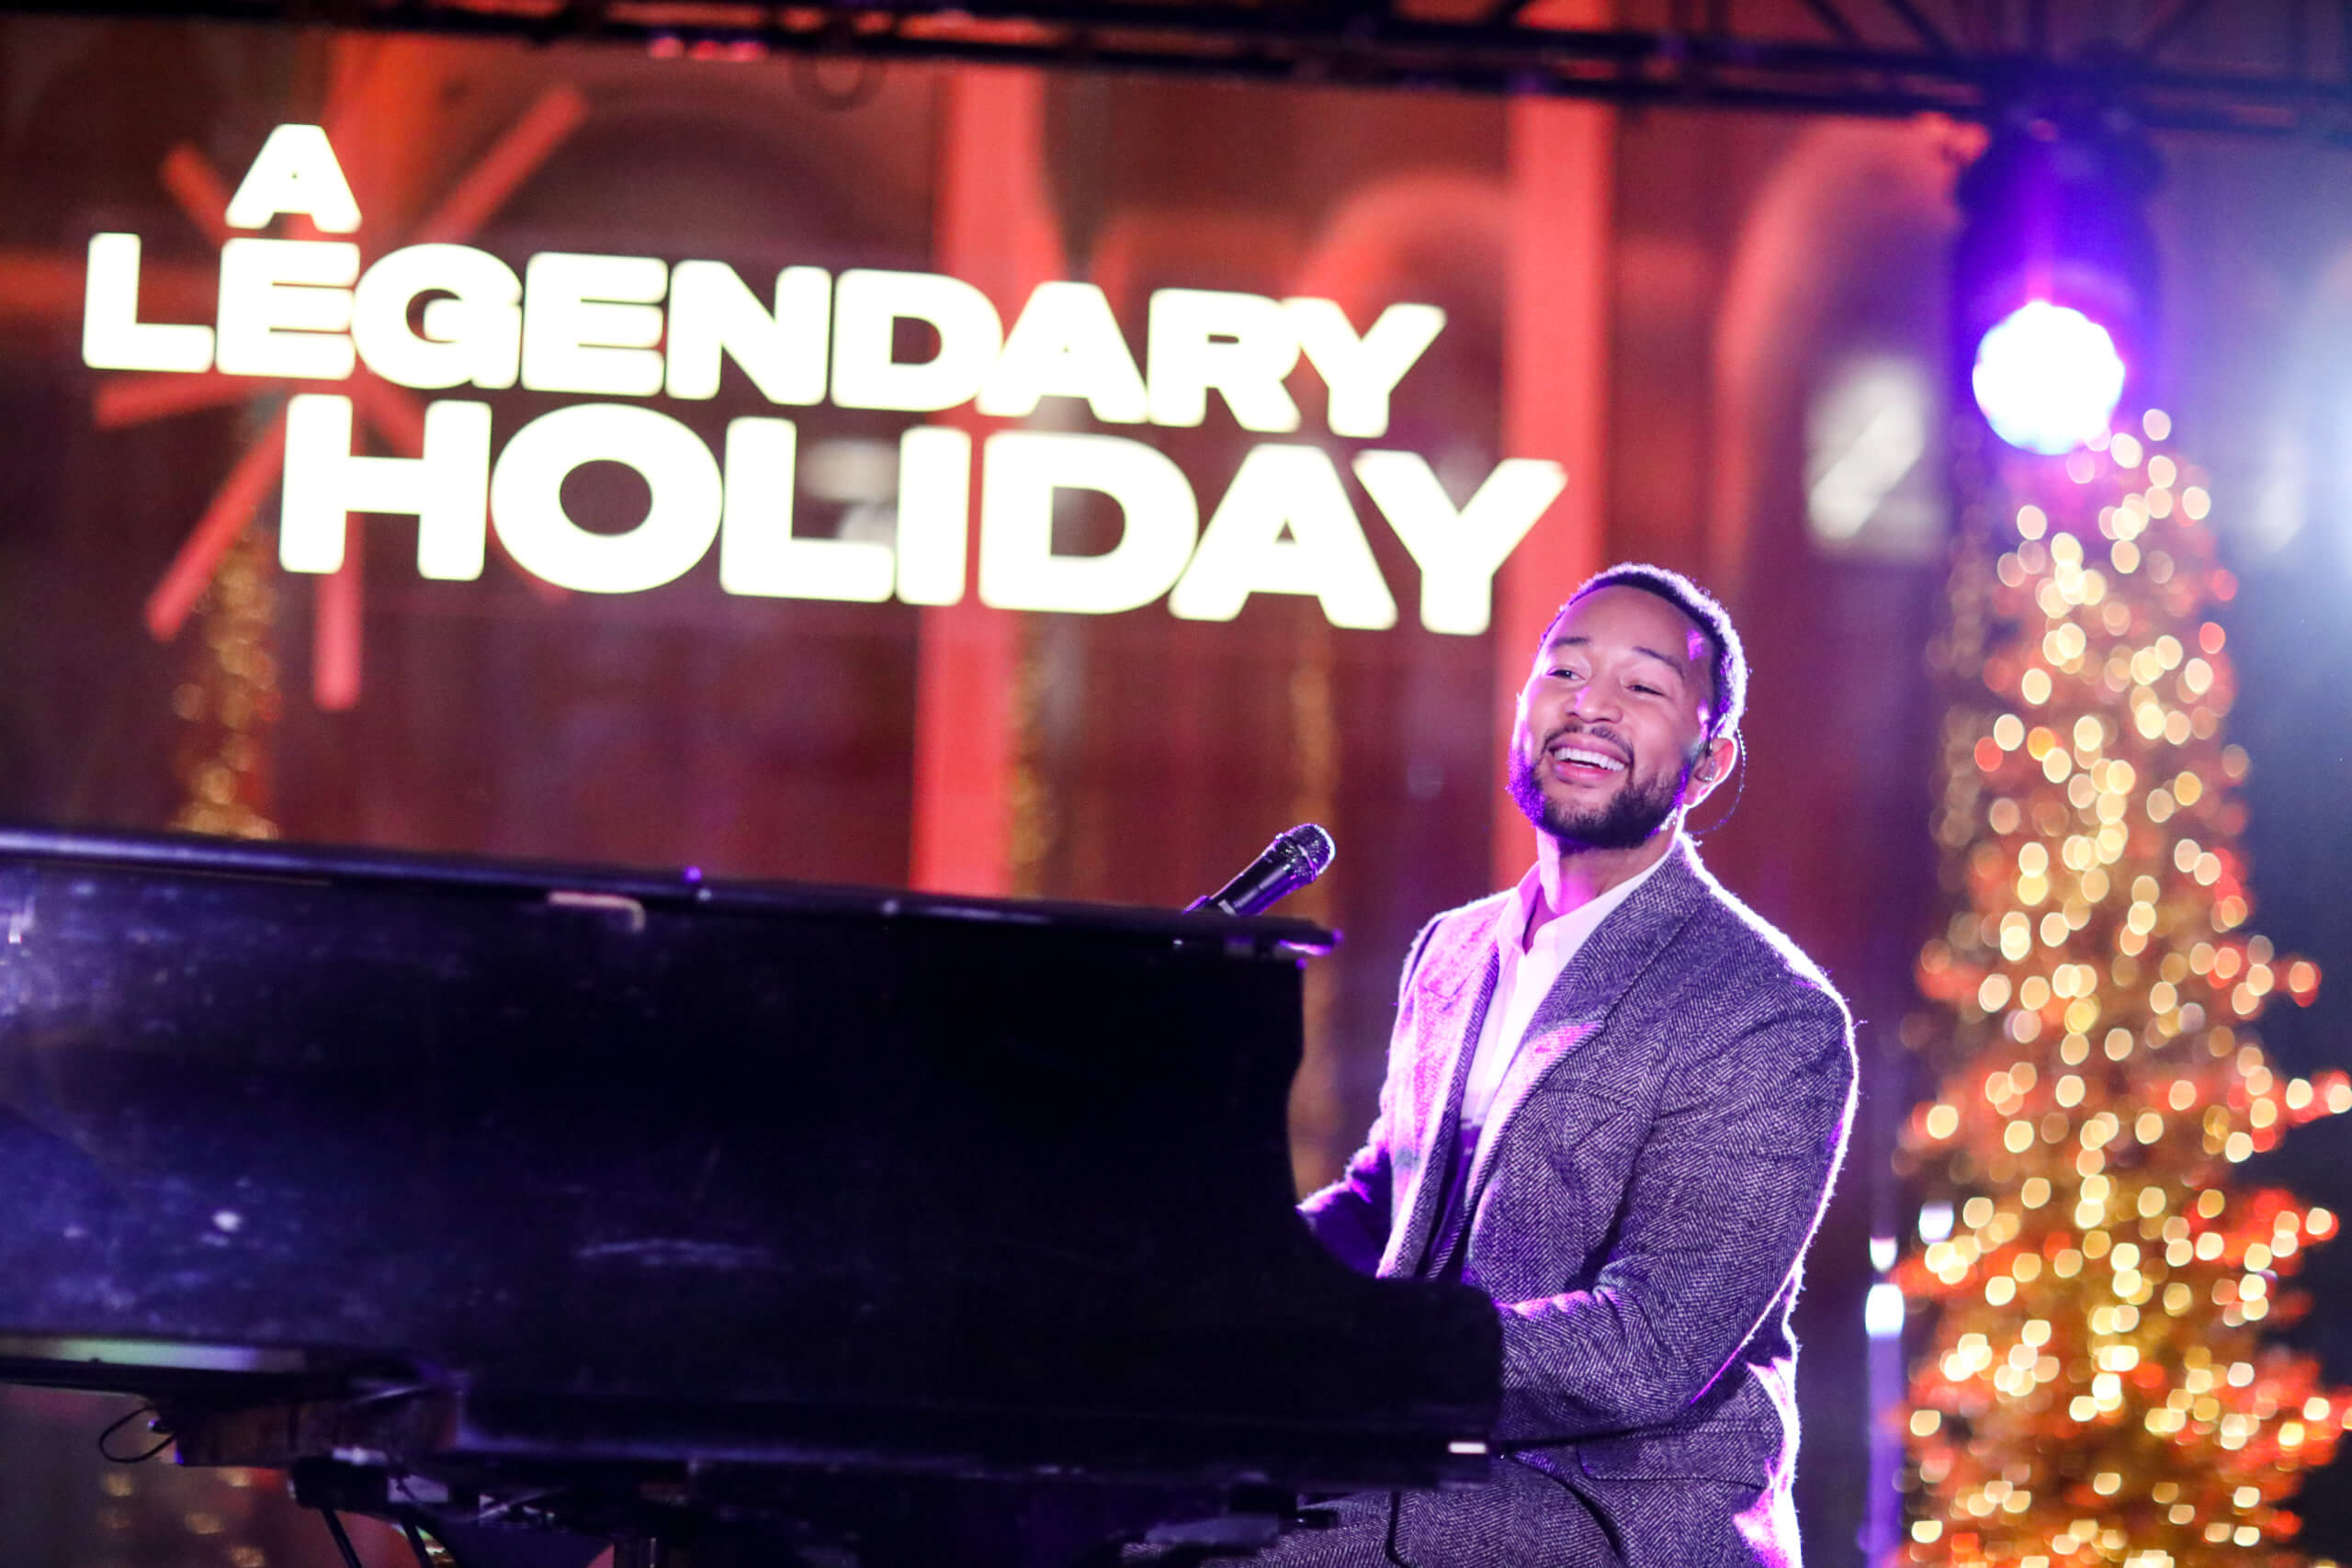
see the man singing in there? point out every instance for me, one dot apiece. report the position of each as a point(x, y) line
point(1615, 1101)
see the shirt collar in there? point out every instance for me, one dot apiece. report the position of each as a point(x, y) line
point(1510, 924)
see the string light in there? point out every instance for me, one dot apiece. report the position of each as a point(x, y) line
point(231, 701)
point(2096, 1390)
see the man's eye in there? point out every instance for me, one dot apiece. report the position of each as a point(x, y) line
point(1647, 690)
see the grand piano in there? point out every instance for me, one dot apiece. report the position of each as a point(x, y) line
point(537, 1208)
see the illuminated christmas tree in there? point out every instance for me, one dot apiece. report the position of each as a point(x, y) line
point(2096, 1390)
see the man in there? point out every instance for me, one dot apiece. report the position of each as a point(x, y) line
point(1615, 1102)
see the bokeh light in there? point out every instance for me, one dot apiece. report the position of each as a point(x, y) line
point(2048, 377)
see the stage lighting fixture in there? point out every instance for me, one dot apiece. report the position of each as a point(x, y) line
point(2048, 377)
point(2054, 277)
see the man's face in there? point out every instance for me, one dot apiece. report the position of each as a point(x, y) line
point(1612, 720)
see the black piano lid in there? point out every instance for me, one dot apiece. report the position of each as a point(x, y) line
point(626, 1158)
point(194, 854)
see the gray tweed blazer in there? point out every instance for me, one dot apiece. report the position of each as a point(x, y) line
point(1665, 1139)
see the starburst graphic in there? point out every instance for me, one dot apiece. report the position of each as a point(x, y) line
point(391, 414)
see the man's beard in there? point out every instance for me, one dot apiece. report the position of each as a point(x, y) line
point(1627, 822)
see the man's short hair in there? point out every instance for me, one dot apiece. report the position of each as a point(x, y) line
point(1730, 661)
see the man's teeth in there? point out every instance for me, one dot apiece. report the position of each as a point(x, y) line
point(1587, 759)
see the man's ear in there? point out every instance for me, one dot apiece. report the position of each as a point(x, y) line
point(1716, 758)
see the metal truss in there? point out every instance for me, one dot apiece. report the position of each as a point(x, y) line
point(2266, 67)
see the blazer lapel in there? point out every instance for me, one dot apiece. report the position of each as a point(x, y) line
point(1453, 999)
point(1628, 942)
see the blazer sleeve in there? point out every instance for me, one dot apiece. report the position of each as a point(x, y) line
point(1351, 1217)
point(1724, 1195)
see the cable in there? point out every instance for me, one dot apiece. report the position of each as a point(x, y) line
point(841, 41)
point(136, 1459)
point(1739, 774)
point(808, 77)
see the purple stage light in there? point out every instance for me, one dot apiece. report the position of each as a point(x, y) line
point(2048, 377)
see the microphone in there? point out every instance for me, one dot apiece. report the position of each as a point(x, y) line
point(1290, 863)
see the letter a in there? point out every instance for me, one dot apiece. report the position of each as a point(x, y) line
point(1286, 528)
point(295, 173)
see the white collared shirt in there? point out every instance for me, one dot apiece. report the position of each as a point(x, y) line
point(1525, 978)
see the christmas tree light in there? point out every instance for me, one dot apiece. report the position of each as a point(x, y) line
point(2096, 1391)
